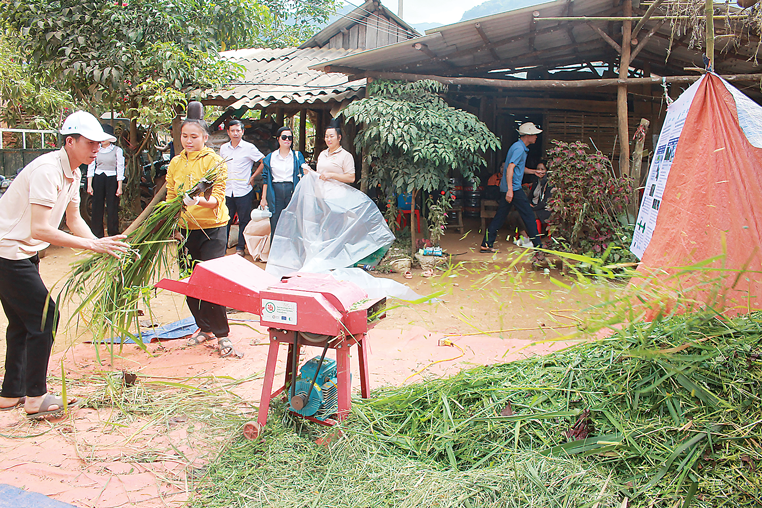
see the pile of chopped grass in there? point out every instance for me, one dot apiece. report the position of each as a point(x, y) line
point(663, 414)
point(287, 469)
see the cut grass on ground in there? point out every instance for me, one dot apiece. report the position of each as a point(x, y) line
point(663, 414)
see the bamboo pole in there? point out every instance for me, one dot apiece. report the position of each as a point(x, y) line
point(645, 18)
point(546, 84)
point(710, 34)
point(621, 93)
point(606, 37)
point(645, 40)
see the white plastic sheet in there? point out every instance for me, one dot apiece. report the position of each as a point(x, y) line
point(375, 287)
point(326, 225)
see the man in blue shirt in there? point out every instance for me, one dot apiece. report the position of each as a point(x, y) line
point(511, 193)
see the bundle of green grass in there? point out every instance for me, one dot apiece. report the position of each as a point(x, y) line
point(661, 414)
point(110, 289)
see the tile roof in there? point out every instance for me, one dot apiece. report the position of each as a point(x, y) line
point(282, 76)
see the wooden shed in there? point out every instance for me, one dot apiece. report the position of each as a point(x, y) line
point(558, 64)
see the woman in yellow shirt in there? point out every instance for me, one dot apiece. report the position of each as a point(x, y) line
point(206, 220)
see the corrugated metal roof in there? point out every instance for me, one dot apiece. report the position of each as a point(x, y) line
point(517, 39)
point(283, 76)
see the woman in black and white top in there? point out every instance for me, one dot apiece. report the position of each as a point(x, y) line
point(282, 170)
point(104, 183)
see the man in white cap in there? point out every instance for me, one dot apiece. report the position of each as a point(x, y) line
point(511, 193)
point(30, 213)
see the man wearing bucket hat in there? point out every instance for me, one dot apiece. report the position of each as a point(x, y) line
point(511, 193)
point(30, 212)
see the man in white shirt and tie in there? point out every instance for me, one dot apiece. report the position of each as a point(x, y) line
point(239, 193)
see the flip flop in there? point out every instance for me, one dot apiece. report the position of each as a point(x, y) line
point(487, 250)
point(51, 400)
point(17, 404)
point(427, 273)
point(408, 274)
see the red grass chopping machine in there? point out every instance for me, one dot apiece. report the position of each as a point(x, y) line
point(300, 309)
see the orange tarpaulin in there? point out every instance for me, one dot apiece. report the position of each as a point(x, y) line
point(712, 207)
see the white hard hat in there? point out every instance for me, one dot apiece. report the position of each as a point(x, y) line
point(85, 124)
point(529, 129)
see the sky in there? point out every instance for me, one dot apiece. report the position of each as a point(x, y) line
point(423, 11)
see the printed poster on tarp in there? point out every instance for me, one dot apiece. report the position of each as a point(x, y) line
point(658, 173)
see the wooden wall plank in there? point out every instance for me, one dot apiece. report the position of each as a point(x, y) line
point(361, 42)
point(371, 32)
point(383, 31)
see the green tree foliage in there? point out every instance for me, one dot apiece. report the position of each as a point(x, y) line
point(144, 58)
point(292, 22)
point(415, 140)
point(27, 100)
point(96, 45)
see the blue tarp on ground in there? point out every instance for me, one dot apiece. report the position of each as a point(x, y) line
point(176, 330)
point(11, 497)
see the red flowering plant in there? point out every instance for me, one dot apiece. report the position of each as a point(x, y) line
point(390, 214)
point(589, 203)
point(437, 218)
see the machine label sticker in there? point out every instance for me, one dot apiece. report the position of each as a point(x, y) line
point(279, 312)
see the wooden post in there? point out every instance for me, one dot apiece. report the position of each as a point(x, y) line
point(319, 134)
point(412, 223)
point(279, 114)
point(621, 96)
point(364, 171)
point(710, 33)
point(177, 122)
point(637, 162)
point(303, 130)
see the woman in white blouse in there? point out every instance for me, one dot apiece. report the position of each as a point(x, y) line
point(335, 163)
point(104, 183)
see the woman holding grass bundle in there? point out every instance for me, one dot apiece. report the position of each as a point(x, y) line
point(204, 218)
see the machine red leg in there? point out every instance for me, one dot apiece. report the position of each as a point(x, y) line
point(364, 376)
point(267, 387)
point(343, 381)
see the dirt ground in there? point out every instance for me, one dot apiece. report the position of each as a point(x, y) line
point(490, 311)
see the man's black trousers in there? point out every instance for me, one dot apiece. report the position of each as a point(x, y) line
point(31, 326)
